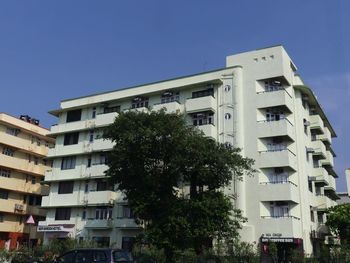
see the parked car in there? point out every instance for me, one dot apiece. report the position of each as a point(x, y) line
point(100, 255)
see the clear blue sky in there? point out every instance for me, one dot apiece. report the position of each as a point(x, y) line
point(53, 50)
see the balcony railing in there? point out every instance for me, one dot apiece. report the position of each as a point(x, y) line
point(288, 216)
point(279, 182)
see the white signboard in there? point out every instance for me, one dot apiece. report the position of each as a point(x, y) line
point(53, 229)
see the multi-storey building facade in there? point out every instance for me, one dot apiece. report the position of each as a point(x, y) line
point(345, 196)
point(23, 147)
point(257, 103)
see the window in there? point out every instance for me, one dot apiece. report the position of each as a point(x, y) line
point(8, 151)
point(86, 187)
point(68, 163)
point(65, 187)
point(24, 199)
point(310, 186)
point(274, 114)
point(312, 215)
point(101, 186)
point(127, 212)
point(111, 109)
point(102, 242)
point(170, 96)
point(12, 131)
point(203, 93)
point(320, 217)
point(63, 213)
point(276, 144)
point(203, 118)
point(103, 213)
point(279, 209)
point(36, 160)
point(278, 175)
point(139, 102)
point(33, 180)
point(71, 138)
point(89, 161)
point(5, 172)
point(74, 115)
point(93, 115)
point(103, 158)
point(4, 194)
point(83, 216)
point(2, 217)
point(31, 200)
point(272, 85)
point(91, 136)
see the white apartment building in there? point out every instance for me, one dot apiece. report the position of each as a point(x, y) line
point(257, 103)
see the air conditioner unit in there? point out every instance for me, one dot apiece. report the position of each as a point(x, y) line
point(18, 207)
point(307, 123)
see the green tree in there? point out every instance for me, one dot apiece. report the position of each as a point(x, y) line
point(173, 177)
point(338, 220)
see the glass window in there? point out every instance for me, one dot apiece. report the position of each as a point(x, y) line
point(63, 213)
point(65, 187)
point(203, 118)
point(139, 102)
point(74, 115)
point(170, 96)
point(4, 194)
point(111, 109)
point(5, 172)
point(203, 93)
point(71, 138)
point(12, 131)
point(68, 163)
point(8, 151)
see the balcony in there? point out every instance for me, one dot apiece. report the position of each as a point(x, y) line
point(170, 107)
point(35, 210)
point(22, 165)
point(322, 202)
point(276, 98)
point(288, 226)
point(72, 126)
point(287, 191)
point(98, 198)
point(23, 144)
point(209, 130)
point(321, 176)
point(326, 137)
point(282, 127)
point(61, 200)
point(66, 150)
point(96, 170)
point(319, 149)
point(105, 119)
point(141, 109)
point(329, 161)
point(207, 103)
point(102, 145)
point(282, 158)
point(99, 224)
point(316, 124)
point(126, 223)
point(20, 185)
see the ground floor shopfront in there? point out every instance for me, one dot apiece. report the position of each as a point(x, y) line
point(280, 249)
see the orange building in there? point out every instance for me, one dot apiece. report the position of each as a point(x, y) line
point(23, 148)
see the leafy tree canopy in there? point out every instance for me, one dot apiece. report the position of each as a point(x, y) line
point(338, 220)
point(173, 177)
